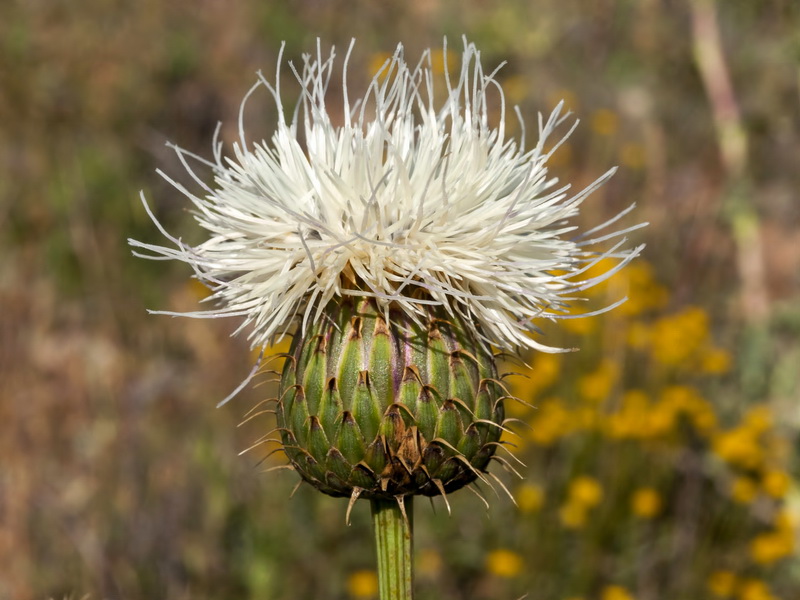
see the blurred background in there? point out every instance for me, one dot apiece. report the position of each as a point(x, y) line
point(662, 460)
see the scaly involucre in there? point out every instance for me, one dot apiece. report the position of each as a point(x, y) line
point(397, 198)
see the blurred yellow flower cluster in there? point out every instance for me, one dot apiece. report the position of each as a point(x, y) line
point(530, 497)
point(363, 584)
point(726, 584)
point(504, 563)
point(638, 284)
point(632, 436)
point(679, 340)
point(722, 584)
point(428, 563)
point(596, 386)
point(551, 421)
point(615, 592)
point(544, 371)
point(639, 417)
point(776, 543)
point(646, 503)
point(605, 122)
point(584, 493)
point(743, 445)
point(756, 455)
point(636, 416)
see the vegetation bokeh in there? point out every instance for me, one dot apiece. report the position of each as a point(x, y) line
point(661, 459)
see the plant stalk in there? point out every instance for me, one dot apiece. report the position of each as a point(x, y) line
point(393, 538)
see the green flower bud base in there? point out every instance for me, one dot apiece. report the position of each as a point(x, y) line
point(375, 405)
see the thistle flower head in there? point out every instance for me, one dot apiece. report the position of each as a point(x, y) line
point(410, 196)
point(398, 239)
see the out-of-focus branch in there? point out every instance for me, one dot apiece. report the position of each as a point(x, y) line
point(732, 140)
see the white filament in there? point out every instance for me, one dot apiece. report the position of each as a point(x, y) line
point(406, 196)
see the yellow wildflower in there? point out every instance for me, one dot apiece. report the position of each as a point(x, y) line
point(758, 419)
point(597, 385)
point(703, 417)
point(639, 335)
point(586, 418)
point(677, 338)
point(646, 503)
point(686, 400)
point(779, 448)
point(739, 446)
point(754, 589)
point(544, 372)
point(784, 522)
point(280, 347)
point(605, 122)
point(363, 584)
point(661, 419)
point(643, 291)
point(585, 491)
point(679, 397)
point(633, 155)
point(530, 497)
point(429, 563)
point(631, 420)
point(745, 446)
point(516, 88)
point(570, 99)
point(573, 515)
point(512, 439)
point(776, 483)
point(198, 289)
point(377, 61)
point(615, 592)
point(504, 563)
point(722, 584)
point(581, 326)
point(438, 61)
point(744, 490)
point(602, 288)
point(772, 546)
point(549, 423)
point(715, 361)
point(562, 157)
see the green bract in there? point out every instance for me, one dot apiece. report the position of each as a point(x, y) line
point(381, 409)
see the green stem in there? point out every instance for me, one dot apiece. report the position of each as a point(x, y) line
point(393, 533)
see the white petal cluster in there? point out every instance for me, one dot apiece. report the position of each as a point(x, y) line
point(396, 197)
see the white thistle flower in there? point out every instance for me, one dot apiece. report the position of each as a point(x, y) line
point(398, 198)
